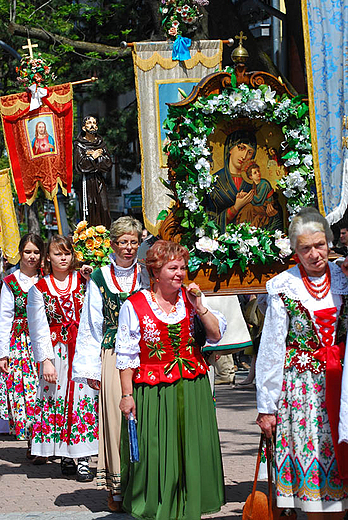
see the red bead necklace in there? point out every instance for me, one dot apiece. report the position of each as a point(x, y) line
point(117, 285)
point(62, 292)
point(317, 291)
point(154, 299)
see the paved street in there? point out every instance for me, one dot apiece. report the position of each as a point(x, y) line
point(41, 493)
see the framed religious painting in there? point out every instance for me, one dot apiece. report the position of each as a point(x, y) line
point(240, 165)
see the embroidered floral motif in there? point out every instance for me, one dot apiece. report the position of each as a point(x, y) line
point(156, 349)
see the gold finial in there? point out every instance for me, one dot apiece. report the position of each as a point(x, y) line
point(241, 37)
point(240, 54)
point(30, 47)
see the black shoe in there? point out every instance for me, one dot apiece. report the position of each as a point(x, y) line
point(83, 473)
point(67, 466)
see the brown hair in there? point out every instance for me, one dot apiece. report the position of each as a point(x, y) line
point(37, 130)
point(63, 244)
point(34, 239)
point(162, 252)
point(251, 167)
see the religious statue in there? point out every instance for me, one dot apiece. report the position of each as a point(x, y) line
point(91, 160)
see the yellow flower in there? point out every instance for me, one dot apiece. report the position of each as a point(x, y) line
point(90, 232)
point(99, 253)
point(79, 256)
point(75, 237)
point(82, 236)
point(107, 242)
point(90, 243)
point(100, 229)
point(81, 225)
point(98, 241)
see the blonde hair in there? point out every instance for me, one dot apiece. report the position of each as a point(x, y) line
point(124, 225)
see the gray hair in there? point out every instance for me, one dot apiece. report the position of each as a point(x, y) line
point(308, 220)
point(124, 225)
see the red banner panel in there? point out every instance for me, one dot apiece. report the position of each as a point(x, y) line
point(39, 142)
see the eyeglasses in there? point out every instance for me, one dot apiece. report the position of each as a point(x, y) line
point(126, 243)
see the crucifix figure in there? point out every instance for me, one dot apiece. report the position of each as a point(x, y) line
point(30, 47)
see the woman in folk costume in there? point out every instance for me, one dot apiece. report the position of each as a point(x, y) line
point(299, 374)
point(66, 414)
point(95, 359)
point(16, 355)
point(165, 385)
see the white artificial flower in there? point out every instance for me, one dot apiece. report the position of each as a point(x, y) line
point(284, 245)
point(235, 98)
point(202, 164)
point(200, 232)
point(190, 200)
point(204, 180)
point(295, 180)
point(278, 234)
point(270, 96)
point(252, 242)
point(308, 160)
point(207, 245)
point(243, 248)
point(293, 161)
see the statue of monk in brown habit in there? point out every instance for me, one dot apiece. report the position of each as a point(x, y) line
point(91, 160)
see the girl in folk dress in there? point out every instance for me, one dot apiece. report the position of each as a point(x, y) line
point(16, 356)
point(66, 414)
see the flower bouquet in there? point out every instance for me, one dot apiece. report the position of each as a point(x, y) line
point(180, 16)
point(35, 70)
point(92, 244)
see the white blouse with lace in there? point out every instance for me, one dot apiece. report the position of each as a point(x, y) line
point(39, 329)
point(87, 360)
point(128, 334)
point(271, 354)
point(7, 309)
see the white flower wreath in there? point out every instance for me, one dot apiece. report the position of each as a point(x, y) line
point(188, 150)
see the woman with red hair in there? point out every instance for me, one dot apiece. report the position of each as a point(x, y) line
point(165, 386)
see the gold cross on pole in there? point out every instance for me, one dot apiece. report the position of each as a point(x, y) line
point(241, 37)
point(30, 46)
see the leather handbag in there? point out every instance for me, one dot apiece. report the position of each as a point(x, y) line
point(258, 506)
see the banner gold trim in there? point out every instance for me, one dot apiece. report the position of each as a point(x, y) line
point(312, 119)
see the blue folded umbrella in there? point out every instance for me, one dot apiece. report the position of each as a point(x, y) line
point(133, 439)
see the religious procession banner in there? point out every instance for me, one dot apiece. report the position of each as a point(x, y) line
point(325, 26)
point(160, 80)
point(39, 142)
point(9, 232)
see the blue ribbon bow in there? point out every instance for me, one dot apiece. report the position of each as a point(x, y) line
point(181, 49)
point(133, 439)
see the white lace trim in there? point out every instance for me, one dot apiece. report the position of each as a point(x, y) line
point(43, 350)
point(290, 283)
point(127, 341)
point(124, 361)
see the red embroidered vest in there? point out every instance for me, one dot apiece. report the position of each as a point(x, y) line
point(59, 315)
point(20, 322)
point(168, 352)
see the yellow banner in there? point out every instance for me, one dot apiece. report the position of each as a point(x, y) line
point(9, 232)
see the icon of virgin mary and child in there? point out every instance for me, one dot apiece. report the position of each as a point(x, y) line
point(240, 194)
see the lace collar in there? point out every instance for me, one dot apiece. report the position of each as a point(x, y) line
point(290, 282)
point(122, 271)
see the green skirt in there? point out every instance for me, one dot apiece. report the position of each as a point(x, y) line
point(179, 476)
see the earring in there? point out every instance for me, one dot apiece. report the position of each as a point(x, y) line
point(157, 279)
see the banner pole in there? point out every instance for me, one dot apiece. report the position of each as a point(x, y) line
point(56, 209)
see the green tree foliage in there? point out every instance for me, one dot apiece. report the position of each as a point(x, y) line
point(103, 22)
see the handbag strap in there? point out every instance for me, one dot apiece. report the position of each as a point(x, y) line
point(269, 475)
